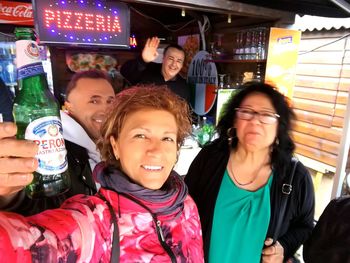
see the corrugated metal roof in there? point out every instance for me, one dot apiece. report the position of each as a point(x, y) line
point(312, 23)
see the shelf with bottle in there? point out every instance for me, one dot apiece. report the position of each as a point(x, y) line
point(248, 46)
point(236, 60)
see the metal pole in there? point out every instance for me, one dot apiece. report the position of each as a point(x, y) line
point(343, 154)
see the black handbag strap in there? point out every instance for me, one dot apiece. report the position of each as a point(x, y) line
point(115, 253)
point(286, 190)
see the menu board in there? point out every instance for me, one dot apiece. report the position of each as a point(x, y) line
point(82, 22)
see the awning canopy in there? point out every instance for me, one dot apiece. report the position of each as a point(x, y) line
point(326, 8)
point(312, 23)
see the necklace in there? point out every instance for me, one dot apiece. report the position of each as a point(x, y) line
point(238, 182)
point(242, 184)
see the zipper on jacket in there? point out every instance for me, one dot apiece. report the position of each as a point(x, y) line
point(158, 225)
point(159, 228)
point(161, 239)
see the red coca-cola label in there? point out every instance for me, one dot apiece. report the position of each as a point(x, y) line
point(16, 13)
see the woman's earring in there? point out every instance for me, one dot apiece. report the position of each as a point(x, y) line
point(230, 134)
point(277, 142)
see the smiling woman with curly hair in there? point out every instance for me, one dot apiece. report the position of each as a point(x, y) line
point(142, 213)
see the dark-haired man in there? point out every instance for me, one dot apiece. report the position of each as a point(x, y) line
point(143, 70)
point(88, 96)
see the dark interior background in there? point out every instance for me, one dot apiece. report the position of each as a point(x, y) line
point(163, 19)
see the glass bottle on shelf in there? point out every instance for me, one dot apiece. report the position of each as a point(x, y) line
point(219, 51)
point(221, 81)
point(261, 45)
point(212, 49)
point(235, 46)
point(253, 48)
point(240, 45)
point(237, 81)
point(228, 84)
point(247, 47)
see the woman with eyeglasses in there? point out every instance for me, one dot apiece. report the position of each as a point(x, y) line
point(237, 182)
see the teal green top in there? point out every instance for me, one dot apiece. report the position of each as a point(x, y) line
point(240, 223)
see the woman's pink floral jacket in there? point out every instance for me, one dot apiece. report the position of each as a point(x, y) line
point(81, 231)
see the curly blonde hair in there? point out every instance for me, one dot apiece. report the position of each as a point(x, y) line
point(138, 98)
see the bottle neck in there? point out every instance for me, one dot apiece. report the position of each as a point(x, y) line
point(28, 59)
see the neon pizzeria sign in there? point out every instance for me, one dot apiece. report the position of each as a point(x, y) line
point(83, 22)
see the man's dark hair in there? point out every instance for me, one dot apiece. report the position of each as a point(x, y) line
point(89, 74)
point(176, 46)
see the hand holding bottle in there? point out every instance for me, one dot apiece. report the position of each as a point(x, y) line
point(149, 52)
point(37, 116)
point(17, 162)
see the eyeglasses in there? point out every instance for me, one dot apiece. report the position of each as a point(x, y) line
point(264, 117)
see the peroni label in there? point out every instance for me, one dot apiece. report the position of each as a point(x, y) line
point(47, 133)
point(28, 59)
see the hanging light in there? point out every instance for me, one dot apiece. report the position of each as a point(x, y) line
point(183, 12)
point(229, 18)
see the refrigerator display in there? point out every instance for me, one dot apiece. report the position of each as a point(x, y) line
point(7, 63)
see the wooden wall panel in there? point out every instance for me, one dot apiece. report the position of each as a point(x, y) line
point(323, 95)
point(338, 122)
point(339, 110)
point(314, 118)
point(347, 55)
point(317, 143)
point(331, 134)
point(347, 47)
point(342, 97)
point(316, 106)
point(344, 84)
point(309, 44)
point(347, 60)
point(318, 70)
point(317, 82)
point(335, 57)
point(316, 154)
point(319, 119)
point(345, 71)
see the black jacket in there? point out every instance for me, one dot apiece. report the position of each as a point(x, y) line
point(81, 183)
point(138, 72)
point(204, 179)
point(330, 239)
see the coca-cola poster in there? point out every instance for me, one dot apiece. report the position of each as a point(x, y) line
point(16, 13)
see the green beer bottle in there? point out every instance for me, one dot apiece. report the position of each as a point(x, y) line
point(37, 116)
